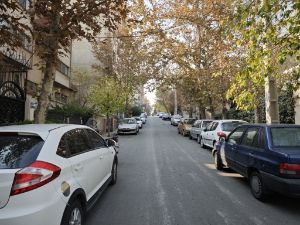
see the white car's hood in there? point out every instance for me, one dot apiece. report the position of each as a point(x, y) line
point(127, 126)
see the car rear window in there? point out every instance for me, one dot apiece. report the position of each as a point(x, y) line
point(286, 136)
point(205, 123)
point(230, 126)
point(189, 121)
point(18, 151)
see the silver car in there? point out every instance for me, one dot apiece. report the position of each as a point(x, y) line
point(128, 126)
point(175, 120)
point(197, 128)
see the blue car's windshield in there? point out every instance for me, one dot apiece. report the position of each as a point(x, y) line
point(285, 136)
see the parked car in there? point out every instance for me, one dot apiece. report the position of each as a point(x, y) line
point(128, 126)
point(166, 116)
point(175, 120)
point(144, 114)
point(160, 114)
point(139, 122)
point(143, 119)
point(268, 155)
point(216, 130)
point(197, 128)
point(185, 126)
point(52, 174)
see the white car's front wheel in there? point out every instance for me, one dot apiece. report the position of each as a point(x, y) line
point(198, 139)
point(114, 173)
point(202, 143)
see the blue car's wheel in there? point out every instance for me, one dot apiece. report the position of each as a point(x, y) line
point(257, 185)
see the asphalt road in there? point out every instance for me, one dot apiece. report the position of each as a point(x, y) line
point(167, 179)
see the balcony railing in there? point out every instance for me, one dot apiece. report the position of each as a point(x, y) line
point(18, 56)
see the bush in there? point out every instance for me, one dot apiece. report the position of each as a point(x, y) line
point(136, 110)
point(71, 110)
point(25, 122)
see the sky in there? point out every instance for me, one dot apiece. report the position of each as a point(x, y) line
point(151, 97)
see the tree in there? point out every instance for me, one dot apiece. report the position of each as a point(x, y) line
point(268, 32)
point(83, 80)
point(56, 23)
point(107, 98)
point(123, 58)
point(13, 27)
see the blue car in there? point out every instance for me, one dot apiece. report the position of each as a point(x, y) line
point(268, 155)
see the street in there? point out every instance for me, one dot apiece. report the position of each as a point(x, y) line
point(167, 179)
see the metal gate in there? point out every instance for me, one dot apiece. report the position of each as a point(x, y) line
point(12, 103)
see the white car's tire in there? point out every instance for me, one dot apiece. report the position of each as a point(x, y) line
point(198, 139)
point(202, 145)
point(73, 214)
point(114, 173)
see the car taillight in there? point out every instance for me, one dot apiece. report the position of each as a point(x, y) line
point(36, 175)
point(221, 135)
point(292, 169)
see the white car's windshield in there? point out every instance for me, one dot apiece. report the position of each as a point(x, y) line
point(230, 126)
point(128, 121)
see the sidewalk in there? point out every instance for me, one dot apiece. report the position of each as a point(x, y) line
point(113, 134)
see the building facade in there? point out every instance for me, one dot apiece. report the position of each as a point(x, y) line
point(21, 79)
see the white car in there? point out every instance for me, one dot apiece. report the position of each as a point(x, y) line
point(175, 120)
point(52, 174)
point(139, 122)
point(218, 129)
point(128, 126)
point(143, 118)
point(197, 128)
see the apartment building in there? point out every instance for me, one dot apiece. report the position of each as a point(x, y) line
point(21, 78)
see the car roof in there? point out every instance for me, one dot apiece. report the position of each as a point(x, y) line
point(229, 120)
point(40, 129)
point(271, 125)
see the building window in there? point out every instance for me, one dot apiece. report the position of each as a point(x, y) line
point(64, 99)
point(25, 4)
point(63, 68)
point(61, 98)
point(27, 43)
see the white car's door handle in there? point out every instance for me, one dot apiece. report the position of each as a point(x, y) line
point(101, 157)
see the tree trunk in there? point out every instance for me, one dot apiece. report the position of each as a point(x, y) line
point(47, 86)
point(224, 113)
point(256, 115)
point(271, 98)
point(126, 108)
point(49, 74)
point(108, 125)
point(202, 112)
point(191, 112)
point(211, 108)
point(175, 102)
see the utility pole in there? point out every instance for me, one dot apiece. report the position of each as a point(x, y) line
point(175, 101)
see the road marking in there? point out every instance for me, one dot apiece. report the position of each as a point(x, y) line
point(161, 194)
point(224, 217)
